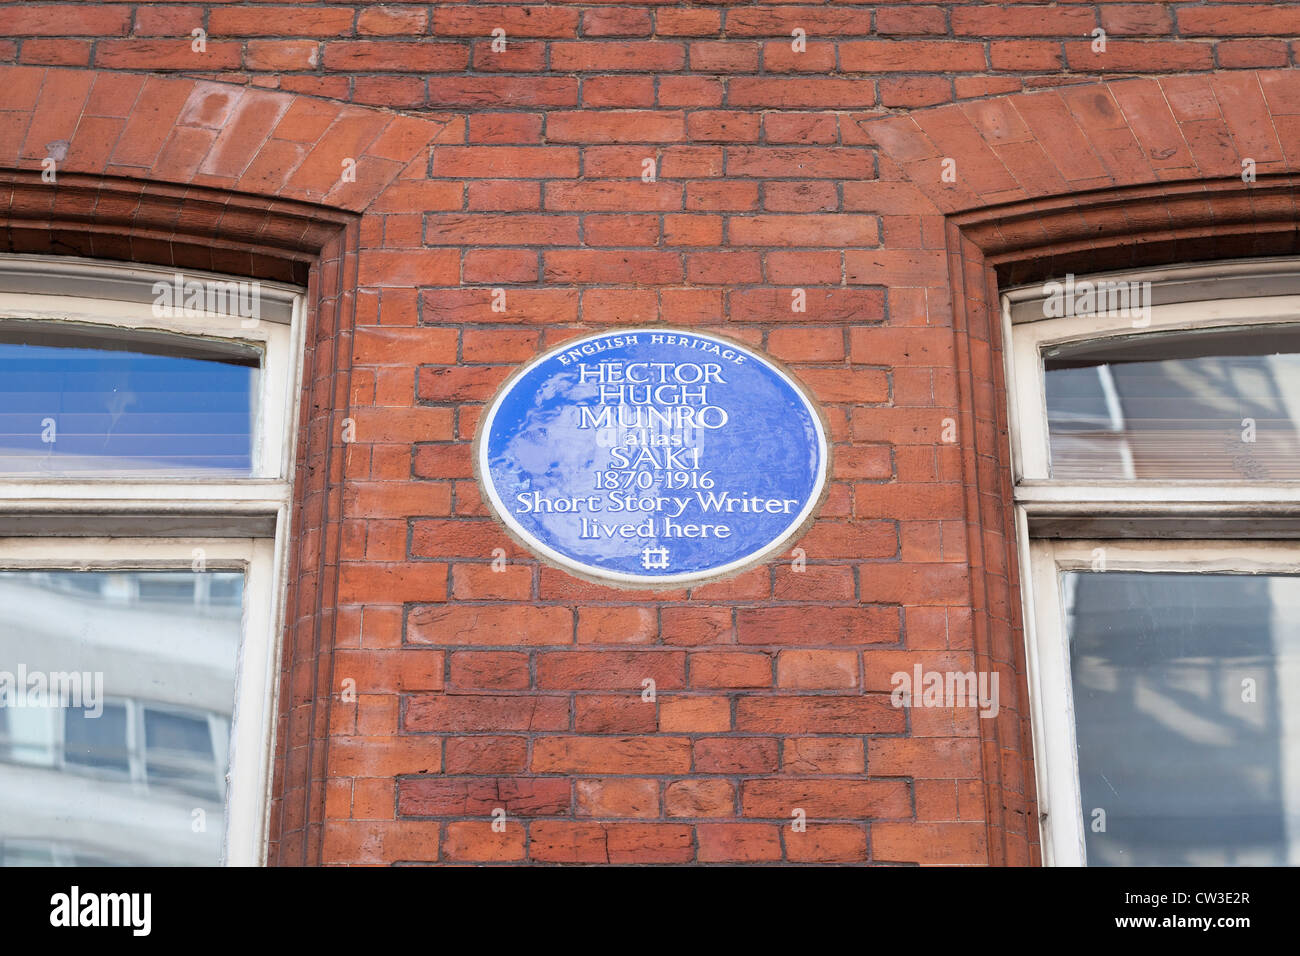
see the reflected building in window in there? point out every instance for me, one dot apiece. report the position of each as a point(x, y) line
point(1206, 407)
point(133, 771)
point(1188, 734)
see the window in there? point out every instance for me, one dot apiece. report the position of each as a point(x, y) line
point(146, 456)
point(1156, 453)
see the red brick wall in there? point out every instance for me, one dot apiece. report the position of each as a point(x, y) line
point(773, 170)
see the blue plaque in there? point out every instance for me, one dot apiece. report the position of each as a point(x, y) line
point(652, 457)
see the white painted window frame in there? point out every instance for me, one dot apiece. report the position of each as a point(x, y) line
point(1256, 292)
point(1055, 745)
point(241, 523)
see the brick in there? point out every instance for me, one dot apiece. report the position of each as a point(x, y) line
point(584, 265)
point(374, 583)
point(516, 162)
point(805, 163)
point(392, 671)
point(849, 306)
point(500, 92)
point(910, 21)
point(696, 715)
point(632, 755)
point(486, 754)
point(835, 625)
point(799, 92)
point(802, 669)
point(883, 56)
point(929, 843)
point(455, 714)
point(556, 841)
point(735, 755)
point(617, 625)
point(39, 19)
point(275, 55)
point(608, 669)
point(926, 757)
point(480, 796)
point(165, 54)
point(395, 56)
point(616, 126)
point(804, 230)
point(383, 756)
point(459, 537)
point(489, 670)
point(359, 842)
point(475, 841)
point(819, 21)
point(724, 669)
point(392, 20)
point(56, 52)
point(739, 842)
point(612, 22)
point(828, 843)
point(627, 713)
point(1023, 21)
point(700, 798)
point(693, 626)
point(806, 344)
point(872, 714)
point(613, 196)
point(381, 345)
point(825, 799)
point(592, 56)
point(282, 21)
point(607, 797)
point(838, 755)
point(489, 624)
point(1238, 19)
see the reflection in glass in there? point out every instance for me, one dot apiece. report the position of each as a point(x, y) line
point(1187, 717)
point(1204, 406)
point(74, 401)
point(96, 741)
point(117, 726)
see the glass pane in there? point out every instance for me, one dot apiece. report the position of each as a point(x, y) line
point(116, 693)
point(96, 741)
point(74, 401)
point(178, 752)
point(1209, 406)
point(1187, 716)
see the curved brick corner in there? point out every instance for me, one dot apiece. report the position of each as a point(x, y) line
point(201, 133)
point(1103, 135)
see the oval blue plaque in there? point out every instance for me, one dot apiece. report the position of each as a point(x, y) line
point(652, 456)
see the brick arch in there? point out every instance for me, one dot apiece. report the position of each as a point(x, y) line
point(188, 132)
point(1102, 175)
point(203, 175)
point(1105, 135)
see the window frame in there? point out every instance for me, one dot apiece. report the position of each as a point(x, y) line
point(1050, 682)
point(101, 522)
point(1236, 525)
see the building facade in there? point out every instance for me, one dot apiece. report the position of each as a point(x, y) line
point(1035, 265)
